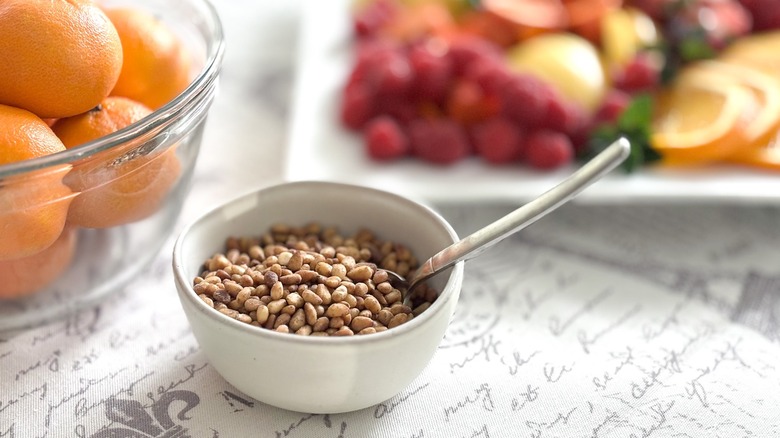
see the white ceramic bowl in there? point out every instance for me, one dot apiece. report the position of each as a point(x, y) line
point(313, 374)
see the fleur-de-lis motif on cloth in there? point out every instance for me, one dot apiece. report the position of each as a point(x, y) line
point(138, 423)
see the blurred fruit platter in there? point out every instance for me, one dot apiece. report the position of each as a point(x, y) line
point(461, 100)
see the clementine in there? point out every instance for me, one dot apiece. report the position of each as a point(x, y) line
point(156, 65)
point(121, 185)
point(33, 205)
point(57, 58)
point(29, 274)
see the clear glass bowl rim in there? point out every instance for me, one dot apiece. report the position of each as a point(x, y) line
point(202, 84)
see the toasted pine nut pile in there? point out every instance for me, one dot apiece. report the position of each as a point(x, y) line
point(312, 281)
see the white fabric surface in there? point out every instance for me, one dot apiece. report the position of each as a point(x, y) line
point(612, 321)
point(596, 321)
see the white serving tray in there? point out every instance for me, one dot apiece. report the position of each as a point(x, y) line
point(321, 149)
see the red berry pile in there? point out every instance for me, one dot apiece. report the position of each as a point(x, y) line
point(443, 101)
point(431, 81)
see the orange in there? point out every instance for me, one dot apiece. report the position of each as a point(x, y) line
point(156, 64)
point(33, 205)
point(57, 58)
point(701, 122)
point(29, 274)
point(121, 185)
point(110, 115)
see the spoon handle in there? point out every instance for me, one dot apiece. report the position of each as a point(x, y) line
point(475, 243)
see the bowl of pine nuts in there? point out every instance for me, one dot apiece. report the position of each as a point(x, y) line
point(286, 292)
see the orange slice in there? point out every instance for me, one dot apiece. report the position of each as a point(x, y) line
point(761, 50)
point(764, 123)
point(767, 157)
point(701, 122)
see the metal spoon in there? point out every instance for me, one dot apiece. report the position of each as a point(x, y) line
point(474, 244)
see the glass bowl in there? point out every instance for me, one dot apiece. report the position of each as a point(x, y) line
point(51, 262)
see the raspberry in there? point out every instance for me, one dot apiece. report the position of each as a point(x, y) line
point(390, 73)
point(576, 119)
point(524, 99)
point(400, 108)
point(579, 125)
point(642, 73)
point(439, 141)
point(491, 75)
point(581, 137)
point(356, 106)
point(431, 70)
point(559, 114)
point(467, 50)
point(385, 139)
point(365, 54)
point(545, 149)
point(615, 102)
point(367, 48)
point(382, 67)
point(498, 140)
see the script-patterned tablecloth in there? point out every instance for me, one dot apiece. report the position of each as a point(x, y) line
point(612, 321)
point(598, 321)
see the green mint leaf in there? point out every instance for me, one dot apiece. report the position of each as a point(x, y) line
point(634, 124)
point(637, 115)
point(695, 47)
